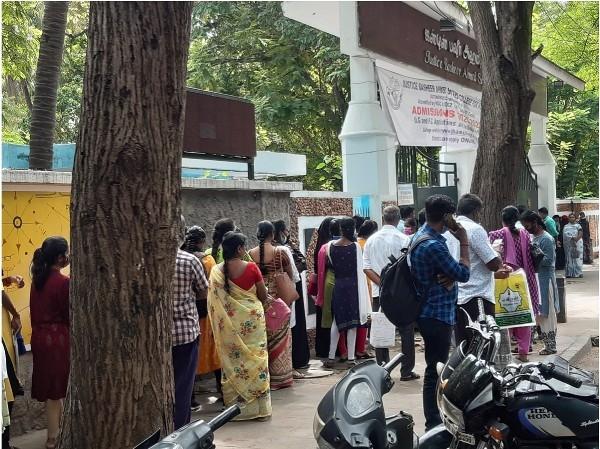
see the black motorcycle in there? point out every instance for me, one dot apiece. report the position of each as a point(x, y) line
point(529, 405)
point(196, 435)
point(525, 406)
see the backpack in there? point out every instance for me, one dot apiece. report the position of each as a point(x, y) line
point(398, 296)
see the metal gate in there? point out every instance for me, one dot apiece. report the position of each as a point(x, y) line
point(527, 195)
point(420, 167)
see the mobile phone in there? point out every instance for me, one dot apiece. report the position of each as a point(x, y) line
point(450, 222)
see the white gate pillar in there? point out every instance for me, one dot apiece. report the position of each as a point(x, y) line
point(543, 164)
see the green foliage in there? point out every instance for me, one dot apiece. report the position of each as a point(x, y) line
point(569, 33)
point(21, 31)
point(294, 74)
point(573, 140)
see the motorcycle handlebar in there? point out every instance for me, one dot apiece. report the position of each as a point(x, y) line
point(389, 366)
point(550, 370)
point(223, 418)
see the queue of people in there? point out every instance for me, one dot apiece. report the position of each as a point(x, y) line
point(238, 312)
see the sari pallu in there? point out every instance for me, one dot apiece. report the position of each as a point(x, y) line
point(208, 357)
point(279, 339)
point(239, 329)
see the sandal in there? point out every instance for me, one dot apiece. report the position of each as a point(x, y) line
point(411, 376)
point(297, 375)
point(365, 356)
point(547, 352)
point(51, 443)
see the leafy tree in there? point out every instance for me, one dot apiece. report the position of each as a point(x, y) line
point(569, 33)
point(503, 31)
point(295, 75)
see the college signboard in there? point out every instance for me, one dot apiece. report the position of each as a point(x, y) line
point(431, 113)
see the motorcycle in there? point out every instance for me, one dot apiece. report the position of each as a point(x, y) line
point(524, 406)
point(531, 405)
point(196, 435)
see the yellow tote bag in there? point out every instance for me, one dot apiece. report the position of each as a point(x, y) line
point(513, 304)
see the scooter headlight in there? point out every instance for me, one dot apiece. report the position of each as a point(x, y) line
point(360, 399)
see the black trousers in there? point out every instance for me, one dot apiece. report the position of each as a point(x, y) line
point(407, 335)
point(436, 336)
point(322, 337)
point(471, 307)
point(300, 349)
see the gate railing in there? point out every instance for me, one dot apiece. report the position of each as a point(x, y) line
point(416, 167)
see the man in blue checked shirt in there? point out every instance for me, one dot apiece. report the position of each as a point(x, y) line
point(435, 273)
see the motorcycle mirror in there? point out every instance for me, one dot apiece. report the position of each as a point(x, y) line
point(439, 368)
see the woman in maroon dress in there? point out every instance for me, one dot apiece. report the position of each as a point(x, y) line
point(49, 306)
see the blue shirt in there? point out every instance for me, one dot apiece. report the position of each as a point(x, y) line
point(428, 260)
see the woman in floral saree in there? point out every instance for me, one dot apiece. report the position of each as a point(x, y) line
point(236, 313)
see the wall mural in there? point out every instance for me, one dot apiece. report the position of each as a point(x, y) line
point(27, 219)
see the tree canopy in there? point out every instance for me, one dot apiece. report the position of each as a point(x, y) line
point(299, 81)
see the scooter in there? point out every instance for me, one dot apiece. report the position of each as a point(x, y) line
point(196, 435)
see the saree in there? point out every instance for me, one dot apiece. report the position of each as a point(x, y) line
point(573, 251)
point(208, 357)
point(238, 325)
point(279, 338)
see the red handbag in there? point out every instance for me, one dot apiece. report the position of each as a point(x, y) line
point(277, 314)
point(313, 285)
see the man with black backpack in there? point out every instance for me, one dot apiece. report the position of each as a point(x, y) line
point(435, 274)
point(386, 242)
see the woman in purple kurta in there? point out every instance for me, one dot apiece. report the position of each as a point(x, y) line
point(517, 254)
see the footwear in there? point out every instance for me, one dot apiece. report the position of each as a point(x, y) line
point(523, 358)
point(411, 376)
point(50, 443)
point(297, 375)
point(195, 403)
point(365, 356)
point(547, 351)
point(516, 350)
point(329, 363)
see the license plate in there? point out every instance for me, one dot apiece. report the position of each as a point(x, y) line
point(460, 436)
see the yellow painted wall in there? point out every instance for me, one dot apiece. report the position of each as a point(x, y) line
point(27, 219)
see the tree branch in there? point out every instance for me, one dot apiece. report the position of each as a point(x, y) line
point(538, 52)
point(485, 27)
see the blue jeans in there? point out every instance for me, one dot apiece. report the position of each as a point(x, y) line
point(436, 336)
point(185, 360)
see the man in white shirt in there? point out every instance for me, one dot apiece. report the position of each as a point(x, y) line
point(389, 241)
point(484, 261)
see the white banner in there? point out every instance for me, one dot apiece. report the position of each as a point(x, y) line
point(431, 113)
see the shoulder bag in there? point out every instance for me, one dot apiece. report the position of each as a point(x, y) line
point(286, 288)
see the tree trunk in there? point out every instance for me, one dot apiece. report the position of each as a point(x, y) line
point(125, 213)
point(506, 60)
point(43, 115)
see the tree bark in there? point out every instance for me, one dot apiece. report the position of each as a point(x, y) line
point(506, 60)
point(125, 213)
point(47, 75)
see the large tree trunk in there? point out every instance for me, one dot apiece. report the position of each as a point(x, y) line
point(125, 213)
point(506, 59)
point(47, 75)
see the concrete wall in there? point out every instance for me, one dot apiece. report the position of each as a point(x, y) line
point(246, 208)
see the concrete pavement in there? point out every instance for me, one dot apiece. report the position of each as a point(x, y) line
point(294, 408)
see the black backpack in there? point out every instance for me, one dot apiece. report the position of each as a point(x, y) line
point(398, 296)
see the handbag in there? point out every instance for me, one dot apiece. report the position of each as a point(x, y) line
point(313, 286)
point(277, 314)
point(537, 255)
point(286, 288)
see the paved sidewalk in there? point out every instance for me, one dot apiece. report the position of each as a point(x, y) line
point(294, 408)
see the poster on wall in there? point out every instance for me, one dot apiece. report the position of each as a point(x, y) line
point(431, 113)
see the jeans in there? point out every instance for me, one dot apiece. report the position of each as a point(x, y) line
point(436, 336)
point(185, 360)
